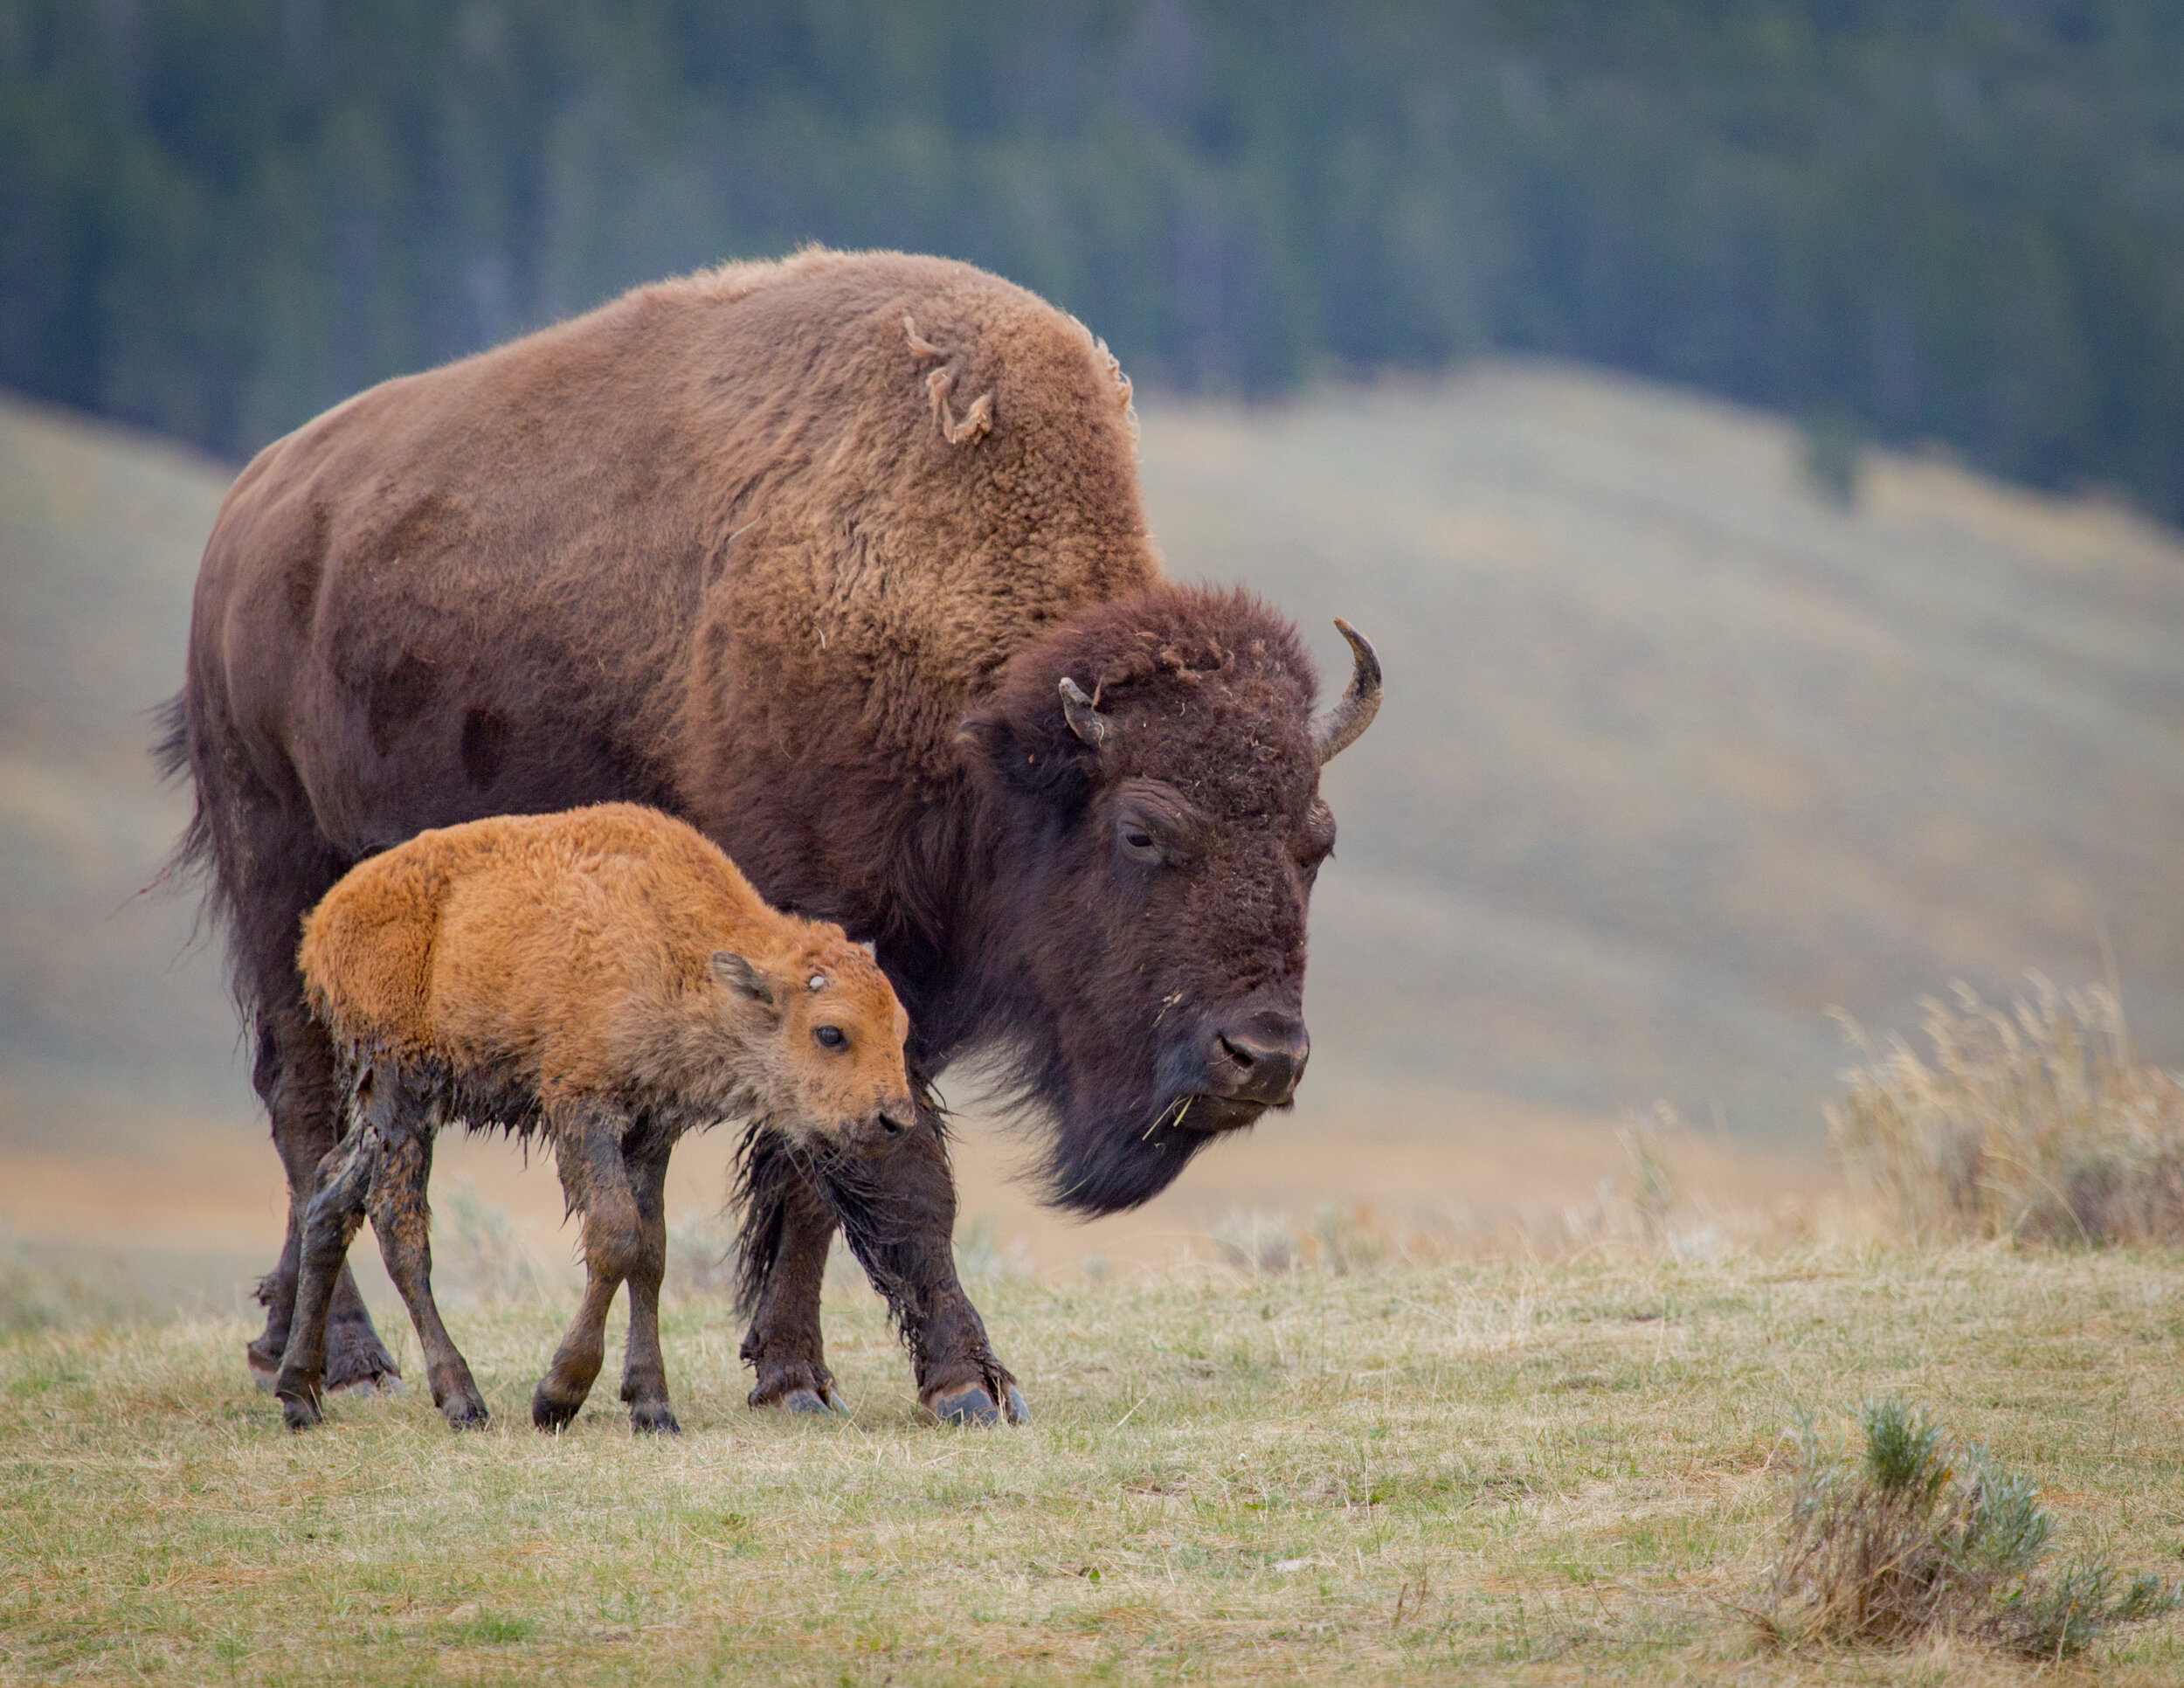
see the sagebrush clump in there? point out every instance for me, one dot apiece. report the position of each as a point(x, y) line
point(1918, 1537)
point(2039, 1124)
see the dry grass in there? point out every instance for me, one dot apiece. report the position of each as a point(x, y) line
point(2039, 1123)
point(1454, 1471)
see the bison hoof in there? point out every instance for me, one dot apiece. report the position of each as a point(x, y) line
point(549, 1414)
point(810, 1401)
point(969, 1405)
point(653, 1422)
point(356, 1360)
point(299, 1413)
point(364, 1388)
point(974, 1404)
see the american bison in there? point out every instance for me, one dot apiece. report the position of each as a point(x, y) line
point(843, 560)
point(606, 980)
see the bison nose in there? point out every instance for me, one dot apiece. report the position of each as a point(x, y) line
point(1265, 1053)
point(894, 1117)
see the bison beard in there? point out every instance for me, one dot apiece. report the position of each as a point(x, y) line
point(843, 560)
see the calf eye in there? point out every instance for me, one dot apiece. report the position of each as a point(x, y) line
point(829, 1037)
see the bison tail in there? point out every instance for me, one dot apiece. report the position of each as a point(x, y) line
point(192, 858)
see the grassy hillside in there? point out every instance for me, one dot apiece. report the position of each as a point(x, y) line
point(1674, 757)
point(1518, 1473)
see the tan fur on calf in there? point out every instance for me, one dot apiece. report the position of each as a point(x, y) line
point(606, 975)
point(574, 953)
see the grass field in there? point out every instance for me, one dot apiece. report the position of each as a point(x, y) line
point(1520, 1472)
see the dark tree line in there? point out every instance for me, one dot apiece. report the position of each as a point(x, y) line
point(1957, 220)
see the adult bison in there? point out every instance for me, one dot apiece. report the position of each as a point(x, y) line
point(842, 559)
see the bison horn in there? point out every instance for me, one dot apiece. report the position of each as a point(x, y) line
point(1085, 721)
point(1335, 729)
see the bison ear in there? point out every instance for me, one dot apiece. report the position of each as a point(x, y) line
point(739, 975)
point(1053, 766)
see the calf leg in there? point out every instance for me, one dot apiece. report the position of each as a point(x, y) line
point(898, 1211)
point(330, 1223)
point(295, 1076)
point(402, 1220)
point(788, 1228)
point(644, 1368)
point(588, 1150)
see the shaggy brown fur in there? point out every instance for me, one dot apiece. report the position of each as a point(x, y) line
point(756, 546)
point(606, 977)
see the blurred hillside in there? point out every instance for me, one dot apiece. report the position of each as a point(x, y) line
point(1952, 220)
point(1675, 755)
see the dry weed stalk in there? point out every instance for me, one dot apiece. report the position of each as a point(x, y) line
point(1921, 1539)
point(2039, 1123)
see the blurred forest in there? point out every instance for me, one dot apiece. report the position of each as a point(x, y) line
point(1959, 220)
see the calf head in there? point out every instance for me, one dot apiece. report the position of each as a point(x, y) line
point(833, 1067)
point(1151, 780)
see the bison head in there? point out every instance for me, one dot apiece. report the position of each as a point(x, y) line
point(1153, 826)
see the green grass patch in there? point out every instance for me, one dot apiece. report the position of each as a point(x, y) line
point(1466, 1472)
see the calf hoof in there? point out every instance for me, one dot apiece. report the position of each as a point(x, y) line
point(299, 1412)
point(548, 1413)
point(653, 1422)
point(466, 1413)
point(809, 1400)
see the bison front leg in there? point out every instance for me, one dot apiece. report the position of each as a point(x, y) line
point(788, 1228)
point(899, 1215)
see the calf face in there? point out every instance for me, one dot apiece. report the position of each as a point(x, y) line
point(836, 1068)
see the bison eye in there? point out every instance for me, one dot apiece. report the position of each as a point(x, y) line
point(1138, 842)
point(829, 1037)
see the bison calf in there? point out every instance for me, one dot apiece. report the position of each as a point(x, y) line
point(607, 979)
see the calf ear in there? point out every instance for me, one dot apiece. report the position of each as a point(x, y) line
point(739, 975)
